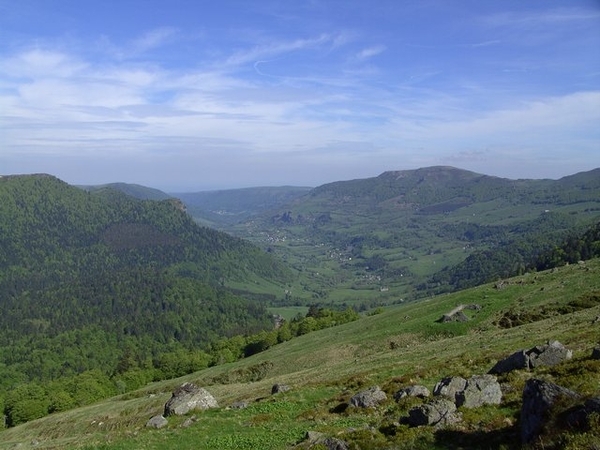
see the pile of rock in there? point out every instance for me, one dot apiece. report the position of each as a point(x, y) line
point(451, 393)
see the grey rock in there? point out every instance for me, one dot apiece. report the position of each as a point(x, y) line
point(479, 390)
point(189, 422)
point(279, 388)
point(578, 417)
point(370, 398)
point(314, 437)
point(331, 443)
point(550, 354)
point(412, 391)
point(449, 387)
point(157, 422)
point(239, 405)
point(189, 397)
point(516, 361)
point(439, 412)
point(539, 397)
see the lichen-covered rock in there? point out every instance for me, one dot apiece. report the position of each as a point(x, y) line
point(449, 387)
point(189, 397)
point(517, 361)
point(279, 388)
point(539, 397)
point(579, 416)
point(412, 391)
point(480, 390)
point(550, 354)
point(370, 398)
point(438, 413)
point(157, 422)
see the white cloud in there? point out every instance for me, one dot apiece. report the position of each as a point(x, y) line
point(369, 52)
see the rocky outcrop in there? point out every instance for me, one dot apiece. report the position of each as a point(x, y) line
point(550, 354)
point(315, 438)
point(279, 388)
point(370, 398)
point(189, 397)
point(539, 397)
point(457, 314)
point(412, 391)
point(439, 412)
point(157, 422)
point(477, 391)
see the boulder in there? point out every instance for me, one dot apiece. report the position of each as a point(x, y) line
point(471, 393)
point(189, 397)
point(596, 353)
point(439, 412)
point(157, 422)
point(516, 361)
point(480, 390)
point(412, 391)
point(239, 405)
point(449, 387)
point(550, 354)
point(279, 388)
point(314, 438)
point(189, 422)
point(578, 417)
point(332, 443)
point(539, 397)
point(370, 398)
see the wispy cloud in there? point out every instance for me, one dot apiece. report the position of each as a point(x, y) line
point(369, 52)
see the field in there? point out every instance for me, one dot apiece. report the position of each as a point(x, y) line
point(400, 345)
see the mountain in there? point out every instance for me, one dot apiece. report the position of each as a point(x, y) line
point(227, 207)
point(402, 346)
point(397, 236)
point(134, 190)
point(90, 278)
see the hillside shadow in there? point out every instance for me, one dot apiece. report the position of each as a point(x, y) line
point(489, 440)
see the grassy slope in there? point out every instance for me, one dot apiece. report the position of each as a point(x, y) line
point(393, 349)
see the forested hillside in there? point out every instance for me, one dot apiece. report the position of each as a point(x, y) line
point(107, 283)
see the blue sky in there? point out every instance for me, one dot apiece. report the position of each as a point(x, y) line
point(188, 95)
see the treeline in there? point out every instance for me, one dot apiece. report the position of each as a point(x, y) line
point(135, 367)
point(572, 250)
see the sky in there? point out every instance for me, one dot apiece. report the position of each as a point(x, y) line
point(190, 95)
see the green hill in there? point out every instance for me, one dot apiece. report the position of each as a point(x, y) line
point(400, 235)
point(401, 346)
point(134, 190)
point(105, 282)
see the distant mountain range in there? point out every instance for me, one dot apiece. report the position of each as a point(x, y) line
point(406, 234)
point(403, 234)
